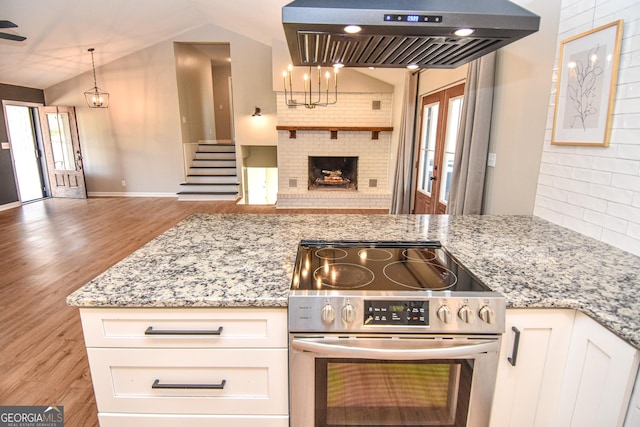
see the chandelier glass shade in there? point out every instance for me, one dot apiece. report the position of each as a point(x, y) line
point(96, 97)
point(312, 98)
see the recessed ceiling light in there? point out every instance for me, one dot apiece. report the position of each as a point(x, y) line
point(464, 32)
point(413, 66)
point(338, 65)
point(352, 29)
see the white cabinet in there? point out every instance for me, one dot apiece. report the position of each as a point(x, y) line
point(633, 414)
point(599, 377)
point(569, 371)
point(197, 367)
point(527, 393)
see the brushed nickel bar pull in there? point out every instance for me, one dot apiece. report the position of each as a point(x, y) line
point(516, 344)
point(331, 349)
point(151, 331)
point(156, 384)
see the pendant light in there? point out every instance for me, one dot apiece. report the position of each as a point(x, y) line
point(96, 97)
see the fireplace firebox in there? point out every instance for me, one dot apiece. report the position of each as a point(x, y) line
point(333, 173)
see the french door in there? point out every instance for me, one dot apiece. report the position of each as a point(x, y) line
point(440, 120)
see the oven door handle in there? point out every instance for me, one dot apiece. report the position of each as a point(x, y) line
point(408, 353)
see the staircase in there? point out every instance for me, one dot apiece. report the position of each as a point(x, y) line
point(212, 175)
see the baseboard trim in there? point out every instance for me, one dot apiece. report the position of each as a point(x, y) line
point(129, 194)
point(10, 206)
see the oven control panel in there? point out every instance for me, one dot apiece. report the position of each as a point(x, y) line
point(396, 313)
point(467, 313)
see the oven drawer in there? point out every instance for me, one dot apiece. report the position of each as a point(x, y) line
point(185, 328)
point(190, 381)
point(155, 420)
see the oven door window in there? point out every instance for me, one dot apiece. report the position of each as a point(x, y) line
point(362, 392)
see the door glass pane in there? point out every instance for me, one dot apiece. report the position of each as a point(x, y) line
point(61, 143)
point(453, 124)
point(427, 147)
point(393, 393)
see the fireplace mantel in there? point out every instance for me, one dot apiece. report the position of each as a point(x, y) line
point(375, 130)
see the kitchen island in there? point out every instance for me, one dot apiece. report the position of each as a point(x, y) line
point(207, 299)
point(228, 260)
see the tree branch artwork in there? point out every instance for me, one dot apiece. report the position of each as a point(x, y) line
point(586, 86)
point(583, 89)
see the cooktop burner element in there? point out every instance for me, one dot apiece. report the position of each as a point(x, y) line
point(331, 253)
point(375, 254)
point(342, 276)
point(417, 274)
point(388, 285)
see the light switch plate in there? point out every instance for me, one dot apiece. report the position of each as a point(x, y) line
point(6, 146)
point(491, 160)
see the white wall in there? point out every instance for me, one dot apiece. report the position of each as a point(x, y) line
point(138, 138)
point(596, 190)
point(523, 71)
point(435, 80)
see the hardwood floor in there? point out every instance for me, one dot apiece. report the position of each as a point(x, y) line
point(50, 248)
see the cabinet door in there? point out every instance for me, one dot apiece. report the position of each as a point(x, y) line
point(633, 414)
point(526, 394)
point(601, 370)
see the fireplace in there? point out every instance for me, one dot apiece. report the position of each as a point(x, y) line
point(333, 173)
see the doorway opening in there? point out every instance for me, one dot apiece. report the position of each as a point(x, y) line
point(27, 152)
point(259, 175)
point(262, 186)
point(440, 121)
point(205, 98)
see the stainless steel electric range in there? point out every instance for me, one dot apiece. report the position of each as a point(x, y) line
point(390, 333)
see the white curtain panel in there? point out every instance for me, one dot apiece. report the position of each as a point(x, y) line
point(401, 195)
point(470, 164)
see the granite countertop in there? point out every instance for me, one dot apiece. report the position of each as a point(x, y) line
point(230, 260)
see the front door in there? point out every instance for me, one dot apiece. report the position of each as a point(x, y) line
point(62, 151)
point(26, 150)
point(440, 120)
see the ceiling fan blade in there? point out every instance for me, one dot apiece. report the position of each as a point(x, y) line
point(7, 24)
point(12, 37)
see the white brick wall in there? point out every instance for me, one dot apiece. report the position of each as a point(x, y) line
point(596, 190)
point(352, 109)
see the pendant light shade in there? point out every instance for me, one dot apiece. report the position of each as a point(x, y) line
point(96, 97)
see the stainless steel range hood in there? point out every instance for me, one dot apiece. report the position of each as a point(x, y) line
point(400, 33)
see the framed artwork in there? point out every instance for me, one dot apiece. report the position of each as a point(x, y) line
point(586, 88)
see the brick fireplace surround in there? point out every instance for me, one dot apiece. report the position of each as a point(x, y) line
point(352, 109)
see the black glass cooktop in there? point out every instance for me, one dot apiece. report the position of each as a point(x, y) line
point(380, 266)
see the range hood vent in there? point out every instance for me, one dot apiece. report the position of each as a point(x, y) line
point(414, 32)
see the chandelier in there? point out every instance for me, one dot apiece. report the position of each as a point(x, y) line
point(311, 98)
point(96, 97)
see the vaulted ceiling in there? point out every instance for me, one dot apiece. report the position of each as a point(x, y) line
point(59, 32)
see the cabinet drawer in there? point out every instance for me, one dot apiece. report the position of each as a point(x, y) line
point(250, 381)
point(193, 328)
point(156, 420)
